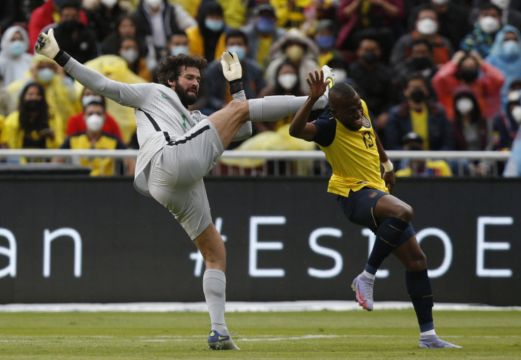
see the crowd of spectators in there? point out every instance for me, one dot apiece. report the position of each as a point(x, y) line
point(436, 74)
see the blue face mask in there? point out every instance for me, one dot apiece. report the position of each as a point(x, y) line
point(265, 25)
point(17, 48)
point(240, 50)
point(45, 75)
point(178, 50)
point(511, 49)
point(214, 25)
point(325, 42)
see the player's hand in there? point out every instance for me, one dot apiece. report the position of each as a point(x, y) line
point(317, 85)
point(390, 179)
point(231, 65)
point(47, 45)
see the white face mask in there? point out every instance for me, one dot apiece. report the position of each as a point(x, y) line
point(427, 26)
point(464, 106)
point(489, 24)
point(129, 54)
point(94, 122)
point(287, 81)
point(109, 3)
point(502, 4)
point(514, 95)
point(516, 113)
point(45, 75)
point(178, 50)
point(153, 4)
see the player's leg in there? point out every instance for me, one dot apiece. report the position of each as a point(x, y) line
point(211, 246)
point(419, 288)
point(171, 184)
point(391, 225)
point(229, 120)
point(233, 118)
point(388, 218)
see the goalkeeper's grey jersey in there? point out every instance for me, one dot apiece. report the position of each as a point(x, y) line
point(161, 118)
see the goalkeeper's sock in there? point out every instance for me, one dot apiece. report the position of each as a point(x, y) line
point(273, 108)
point(214, 288)
point(420, 292)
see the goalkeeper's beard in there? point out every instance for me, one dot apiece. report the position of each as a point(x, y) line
point(186, 98)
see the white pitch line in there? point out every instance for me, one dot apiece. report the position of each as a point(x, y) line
point(283, 306)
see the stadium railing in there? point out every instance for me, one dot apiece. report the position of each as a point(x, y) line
point(280, 163)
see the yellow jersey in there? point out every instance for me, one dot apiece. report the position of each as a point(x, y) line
point(98, 166)
point(353, 155)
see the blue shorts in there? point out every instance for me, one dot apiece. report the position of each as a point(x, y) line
point(359, 206)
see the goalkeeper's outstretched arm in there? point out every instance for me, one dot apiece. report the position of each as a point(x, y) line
point(126, 94)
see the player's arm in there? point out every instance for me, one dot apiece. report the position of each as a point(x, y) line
point(387, 165)
point(300, 127)
point(125, 94)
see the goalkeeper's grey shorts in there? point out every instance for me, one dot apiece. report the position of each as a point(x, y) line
point(176, 176)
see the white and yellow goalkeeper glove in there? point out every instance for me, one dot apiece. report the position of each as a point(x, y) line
point(231, 65)
point(47, 45)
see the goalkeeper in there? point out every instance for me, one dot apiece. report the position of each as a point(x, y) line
point(178, 148)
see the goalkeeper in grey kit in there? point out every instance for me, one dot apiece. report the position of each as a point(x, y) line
point(179, 147)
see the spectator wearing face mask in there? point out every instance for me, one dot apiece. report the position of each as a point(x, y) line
point(506, 123)
point(207, 39)
point(419, 61)
point(425, 27)
point(14, 59)
point(471, 130)
point(421, 167)
point(31, 126)
point(103, 18)
point(59, 91)
point(453, 20)
point(158, 19)
point(72, 35)
point(419, 114)
point(373, 79)
point(95, 138)
point(129, 50)
point(287, 83)
point(178, 44)
point(487, 25)
point(262, 31)
point(510, 9)
point(471, 72)
point(506, 56)
point(298, 49)
point(325, 39)
point(77, 123)
point(215, 90)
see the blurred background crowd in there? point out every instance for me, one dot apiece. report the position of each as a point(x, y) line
point(436, 74)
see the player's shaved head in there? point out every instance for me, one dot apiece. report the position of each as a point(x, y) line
point(346, 106)
point(343, 90)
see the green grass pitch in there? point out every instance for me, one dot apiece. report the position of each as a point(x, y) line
point(383, 334)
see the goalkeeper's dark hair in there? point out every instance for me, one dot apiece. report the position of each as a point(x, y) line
point(171, 67)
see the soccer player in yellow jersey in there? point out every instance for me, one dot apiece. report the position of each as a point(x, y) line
point(345, 135)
